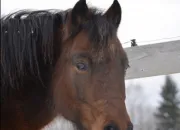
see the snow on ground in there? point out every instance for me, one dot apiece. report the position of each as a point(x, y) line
point(59, 123)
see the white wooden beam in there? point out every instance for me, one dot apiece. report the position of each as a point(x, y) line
point(153, 59)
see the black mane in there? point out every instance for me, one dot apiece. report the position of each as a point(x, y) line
point(27, 44)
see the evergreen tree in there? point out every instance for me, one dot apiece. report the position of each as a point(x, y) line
point(168, 112)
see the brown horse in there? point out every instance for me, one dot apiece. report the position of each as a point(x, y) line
point(67, 63)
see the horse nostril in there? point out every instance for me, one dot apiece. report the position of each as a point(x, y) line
point(111, 126)
point(130, 126)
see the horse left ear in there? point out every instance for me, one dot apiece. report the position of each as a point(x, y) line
point(79, 13)
point(114, 13)
point(76, 17)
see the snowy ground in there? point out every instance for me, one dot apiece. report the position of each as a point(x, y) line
point(59, 124)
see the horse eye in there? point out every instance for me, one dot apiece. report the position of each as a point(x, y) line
point(82, 66)
point(111, 126)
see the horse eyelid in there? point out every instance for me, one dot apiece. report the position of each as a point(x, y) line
point(84, 57)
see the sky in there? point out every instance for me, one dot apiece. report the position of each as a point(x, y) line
point(144, 20)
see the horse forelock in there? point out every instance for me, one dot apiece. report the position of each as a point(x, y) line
point(99, 31)
point(98, 28)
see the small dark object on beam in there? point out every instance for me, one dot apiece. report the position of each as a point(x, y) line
point(133, 43)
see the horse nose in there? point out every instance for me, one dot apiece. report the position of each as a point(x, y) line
point(111, 126)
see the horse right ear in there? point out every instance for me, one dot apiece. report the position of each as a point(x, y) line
point(79, 13)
